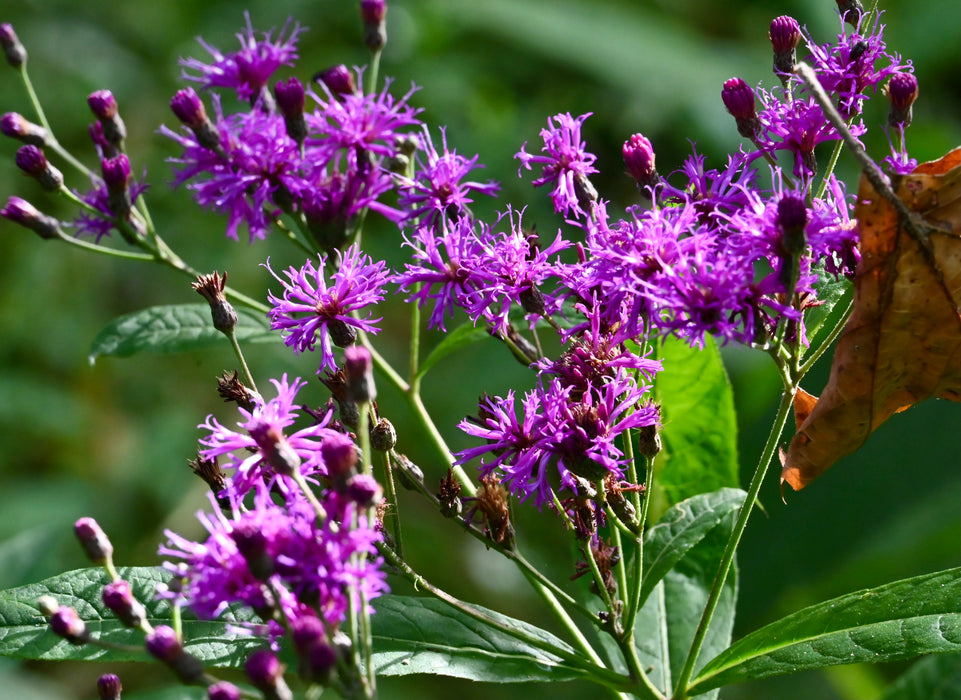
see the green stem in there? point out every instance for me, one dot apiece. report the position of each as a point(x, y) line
point(727, 559)
point(390, 489)
point(815, 354)
point(240, 358)
point(634, 599)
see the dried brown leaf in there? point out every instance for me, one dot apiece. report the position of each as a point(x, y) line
point(902, 343)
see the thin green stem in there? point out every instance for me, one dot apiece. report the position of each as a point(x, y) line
point(634, 597)
point(816, 354)
point(240, 358)
point(104, 250)
point(727, 559)
point(390, 492)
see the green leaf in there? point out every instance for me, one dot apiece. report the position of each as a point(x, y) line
point(935, 677)
point(666, 623)
point(899, 620)
point(462, 336)
point(681, 528)
point(831, 291)
point(174, 328)
point(424, 635)
point(700, 426)
point(24, 632)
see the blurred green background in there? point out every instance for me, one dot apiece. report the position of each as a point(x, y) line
point(112, 440)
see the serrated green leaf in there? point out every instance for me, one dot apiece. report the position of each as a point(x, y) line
point(899, 620)
point(424, 635)
point(174, 328)
point(666, 623)
point(24, 632)
point(462, 336)
point(700, 426)
point(681, 528)
point(935, 677)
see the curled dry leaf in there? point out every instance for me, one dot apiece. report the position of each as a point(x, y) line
point(902, 343)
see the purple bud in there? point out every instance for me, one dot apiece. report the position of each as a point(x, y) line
point(162, 643)
point(792, 217)
point(18, 127)
point(276, 449)
point(118, 597)
point(66, 623)
point(358, 366)
point(116, 172)
point(22, 212)
point(639, 161)
point(375, 30)
point(32, 161)
point(14, 50)
point(902, 92)
point(738, 98)
point(252, 544)
point(104, 106)
point(267, 674)
point(94, 540)
point(223, 691)
point(109, 686)
point(340, 455)
point(785, 34)
point(364, 490)
point(338, 79)
point(290, 99)
point(96, 135)
point(188, 107)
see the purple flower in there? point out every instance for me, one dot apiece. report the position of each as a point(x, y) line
point(311, 307)
point(262, 451)
point(847, 69)
point(515, 267)
point(712, 192)
point(88, 224)
point(559, 437)
point(256, 161)
point(247, 70)
point(438, 188)
point(355, 121)
point(566, 164)
point(447, 268)
point(321, 564)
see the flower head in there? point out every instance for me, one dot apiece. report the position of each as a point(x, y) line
point(247, 70)
point(566, 164)
point(312, 307)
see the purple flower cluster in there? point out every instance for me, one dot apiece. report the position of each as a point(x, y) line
point(269, 546)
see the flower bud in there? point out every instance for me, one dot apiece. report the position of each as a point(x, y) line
point(109, 687)
point(230, 388)
point(315, 658)
point(22, 212)
point(14, 50)
point(364, 490)
point(383, 436)
point(290, 99)
point(851, 11)
point(359, 369)
point(66, 623)
point(32, 161)
point(223, 691)
point(338, 79)
point(639, 161)
point(16, 126)
point(252, 544)
point(340, 456)
point(94, 540)
point(189, 109)
point(116, 176)
point(738, 98)
point(648, 441)
point(375, 30)
point(118, 597)
point(792, 217)
point(104, 107)
point(785, 34)
point(276, 449)
point(211, 287)
point(267, 674)
point(162, 643)
point(902, 91)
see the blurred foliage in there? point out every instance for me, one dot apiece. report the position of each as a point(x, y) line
point(112, 440)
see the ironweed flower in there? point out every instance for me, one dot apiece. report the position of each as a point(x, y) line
point(312, 308)
point(566, 164)
point(252, 453)
point(246, 71)
point(438, 188)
